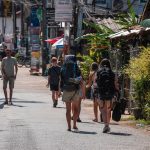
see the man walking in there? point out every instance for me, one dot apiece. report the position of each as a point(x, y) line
point(9, 71)
point(54, 80)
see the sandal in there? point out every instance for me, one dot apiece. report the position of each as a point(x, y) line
point(95, 120)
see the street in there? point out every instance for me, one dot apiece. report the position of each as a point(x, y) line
point(33, 124)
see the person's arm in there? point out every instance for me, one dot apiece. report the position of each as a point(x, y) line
point(3, 70)
point(83, 89)
point(48, 82)
point(116, 84)
point(16, 69)
point(90, 80)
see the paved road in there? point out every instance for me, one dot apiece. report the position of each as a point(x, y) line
point(32, 124)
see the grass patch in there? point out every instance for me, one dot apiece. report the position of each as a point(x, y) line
point(129, 118)
point(144, 122)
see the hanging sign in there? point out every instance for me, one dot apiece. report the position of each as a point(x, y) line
point(63, 11)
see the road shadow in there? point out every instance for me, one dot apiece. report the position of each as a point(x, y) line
point(34, 102)
point(120, 134)
point(17, 105)
point(60, 107)
point(85, 132)
point(2, 105)
point(113, 123)
point(87, 122)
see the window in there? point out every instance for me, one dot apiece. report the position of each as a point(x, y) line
point(100, 1)
point(143, 1)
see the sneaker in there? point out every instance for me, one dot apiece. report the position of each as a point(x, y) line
point(106, 129)
point(55, 103)
point(69, 129)
point(79, 120)
point(75, 129)
point(6, 103)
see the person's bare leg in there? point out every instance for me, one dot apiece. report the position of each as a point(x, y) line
point(5, 94)
point(53, 96)
point(103, 111)
point(95, 108)
point(108, 112)
point(75, 105)
point(10, 94)
point(68, 114)
point(79, 108)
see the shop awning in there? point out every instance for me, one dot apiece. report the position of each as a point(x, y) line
point(58, 44)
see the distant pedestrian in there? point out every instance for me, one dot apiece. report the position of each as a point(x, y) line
point(9, 71)
point(54, 80)
point(94, 89)
point(71, 77)
point(107, 84)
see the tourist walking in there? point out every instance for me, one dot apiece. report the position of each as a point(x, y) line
point(9, 71)
point(94, 89)
point(71, 77)
point(107, 84)
point(54, 80)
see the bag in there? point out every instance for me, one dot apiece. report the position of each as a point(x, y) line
point(105, 82)
point(116, 115)
point(70, 74)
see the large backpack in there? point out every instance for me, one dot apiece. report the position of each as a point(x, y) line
point(105, 81)
point(70, 70)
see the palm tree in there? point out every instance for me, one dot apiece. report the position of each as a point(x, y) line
point(129, 19)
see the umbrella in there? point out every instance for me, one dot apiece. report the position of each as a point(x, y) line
point(145, 23)
point(58, 44)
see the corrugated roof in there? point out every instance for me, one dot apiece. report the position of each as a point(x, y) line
point(110, 23)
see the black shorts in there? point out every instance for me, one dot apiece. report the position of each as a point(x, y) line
point(54, 87)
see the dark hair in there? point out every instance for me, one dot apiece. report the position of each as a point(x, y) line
point(94, 66)
point(105, 63)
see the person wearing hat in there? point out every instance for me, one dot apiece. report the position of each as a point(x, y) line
point(54, 80)
point(9, 71)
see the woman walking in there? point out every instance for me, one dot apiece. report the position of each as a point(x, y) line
point(71, 77)
point(107, 84)
point(94, 89)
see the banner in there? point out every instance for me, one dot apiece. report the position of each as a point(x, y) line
point(35, 43)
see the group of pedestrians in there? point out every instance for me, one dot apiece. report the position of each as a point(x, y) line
point(69, 80)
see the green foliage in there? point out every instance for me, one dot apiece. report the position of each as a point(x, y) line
point(98, 42)
point(139, 71)
point(85, 66)
point(129, 19)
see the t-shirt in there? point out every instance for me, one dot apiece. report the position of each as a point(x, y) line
point(8, 64)
point(54, 73)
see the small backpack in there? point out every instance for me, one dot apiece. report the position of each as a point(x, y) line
point(105, 81)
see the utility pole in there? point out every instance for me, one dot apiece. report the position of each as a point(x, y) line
point(14, 24)
point(80, 18)
point(44, 36)
point(22, 26)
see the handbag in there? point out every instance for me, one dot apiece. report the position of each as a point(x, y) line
point(116, 115)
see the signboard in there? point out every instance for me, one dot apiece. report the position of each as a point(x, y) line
point(63, 11)
point(50, 15)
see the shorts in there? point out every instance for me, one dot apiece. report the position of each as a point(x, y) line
point(11, 81)
point(106, 98)
point(94, 94)
point(70, 96)
point(54, 87)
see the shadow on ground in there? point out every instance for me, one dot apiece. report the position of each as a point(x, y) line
point(120, 134)
point(85, 132)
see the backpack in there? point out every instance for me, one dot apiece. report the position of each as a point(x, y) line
point(69, 74)
point(105, 81)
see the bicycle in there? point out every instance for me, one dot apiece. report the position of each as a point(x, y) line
point(24, 61)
